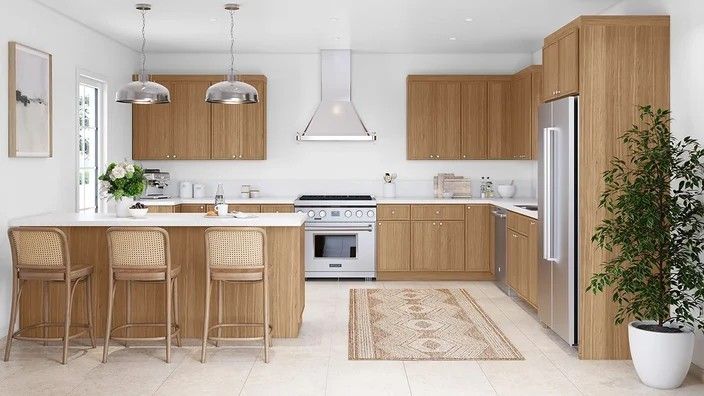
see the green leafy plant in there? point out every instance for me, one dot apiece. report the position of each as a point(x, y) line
point(122, 180)
point(654, 227)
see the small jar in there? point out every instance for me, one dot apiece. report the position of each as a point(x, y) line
point(254, 193)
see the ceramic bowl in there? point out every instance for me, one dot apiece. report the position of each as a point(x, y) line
point(139, 213)
point(506, 190)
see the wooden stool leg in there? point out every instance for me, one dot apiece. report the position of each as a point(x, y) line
point(267, 335)
point(108, 324)
point(128, 309)
point(89, 308)
point(220, 292)
point(13, 315)
point(176, 320)
point(206, 321)
point(67, 319)
point(168, 320)
point(45, 309)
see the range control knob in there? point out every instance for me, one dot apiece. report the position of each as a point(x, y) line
point(370, 213)
point(348, 213)
point(299, 211)
point(311, 213)
point(322, 213)
point(359, 213)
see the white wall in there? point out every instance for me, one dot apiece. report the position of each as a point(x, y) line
point(379, 94)
point(686, 64)
point(31, 185)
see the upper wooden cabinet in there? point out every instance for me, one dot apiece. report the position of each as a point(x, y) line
point(189, 128)
point(561, 64)
point(525, 100)
point(433, 123)
point(470, 117)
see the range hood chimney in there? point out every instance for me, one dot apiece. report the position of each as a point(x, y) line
point(336, 118)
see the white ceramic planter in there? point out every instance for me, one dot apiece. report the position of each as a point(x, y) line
point(122, 207)
point(661, 359)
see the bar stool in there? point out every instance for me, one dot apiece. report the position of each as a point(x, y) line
point(41, 254)
point(142, 254)
point(235, 255)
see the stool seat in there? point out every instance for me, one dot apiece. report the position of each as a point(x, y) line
point(54, 274)
point(144, 275)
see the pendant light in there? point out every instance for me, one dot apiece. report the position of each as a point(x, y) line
point(143, 91)
point(232, 91)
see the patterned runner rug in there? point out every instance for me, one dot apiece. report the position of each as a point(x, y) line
point(423, 324)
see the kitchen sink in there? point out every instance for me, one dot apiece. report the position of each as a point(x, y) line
point(528, 207)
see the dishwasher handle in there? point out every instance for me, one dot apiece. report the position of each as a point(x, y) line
point(498, 214)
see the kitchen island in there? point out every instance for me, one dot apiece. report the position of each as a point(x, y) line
point(87, 242)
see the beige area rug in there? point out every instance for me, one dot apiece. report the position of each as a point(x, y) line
point(423, 324)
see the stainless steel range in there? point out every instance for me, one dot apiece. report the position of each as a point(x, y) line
point(340, 235)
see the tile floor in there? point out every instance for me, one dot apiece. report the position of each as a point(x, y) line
point(316, 362)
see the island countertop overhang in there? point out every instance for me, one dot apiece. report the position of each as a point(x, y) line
point(67, 219)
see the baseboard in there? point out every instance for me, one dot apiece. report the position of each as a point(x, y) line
point(696, 371)
point(433, 276)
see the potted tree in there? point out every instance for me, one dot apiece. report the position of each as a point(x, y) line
point(122, 182)
point(654, 231)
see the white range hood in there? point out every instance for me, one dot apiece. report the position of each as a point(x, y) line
point(336, 118)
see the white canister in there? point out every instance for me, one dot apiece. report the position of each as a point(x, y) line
point(389, 190)
point(186, 189)
point(221, 209)
point(198, 191)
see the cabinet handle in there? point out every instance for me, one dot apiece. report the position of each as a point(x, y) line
point(515, 236)
point(532, 223)
point(464, 156)
point(469, 207)
point(437, 212)
point(433, 223)
point(174, 155)
point(431, 156)
point(441, 223)
point(168, 156)
point(393, 212)
point(240, 155)
point(234, 157)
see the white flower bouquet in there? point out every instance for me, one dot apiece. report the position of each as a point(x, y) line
point(122, 180)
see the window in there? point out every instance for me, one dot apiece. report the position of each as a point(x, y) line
point(90, 141)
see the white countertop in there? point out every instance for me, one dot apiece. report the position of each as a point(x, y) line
point(228, 200)
point(506, 203)
point(158, 220)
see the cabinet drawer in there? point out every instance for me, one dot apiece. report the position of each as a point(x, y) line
point(275, 208)
point(193, 208)
point(518, 223)
point(393, 212)
point(437, 212)
point(246, 208)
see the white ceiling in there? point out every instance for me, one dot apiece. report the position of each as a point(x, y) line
point(399, 26)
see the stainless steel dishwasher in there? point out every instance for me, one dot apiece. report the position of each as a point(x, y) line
point(500, 270)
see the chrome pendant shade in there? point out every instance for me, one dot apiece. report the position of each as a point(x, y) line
point(232, 91)
point(143, 91)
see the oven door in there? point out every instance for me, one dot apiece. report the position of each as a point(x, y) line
point(340, 250)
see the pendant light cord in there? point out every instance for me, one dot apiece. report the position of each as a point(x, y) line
point(232, 45)
point(144, 41)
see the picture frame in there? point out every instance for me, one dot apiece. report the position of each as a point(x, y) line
point(30, 102)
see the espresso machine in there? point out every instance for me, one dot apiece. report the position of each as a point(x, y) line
point(157, 181)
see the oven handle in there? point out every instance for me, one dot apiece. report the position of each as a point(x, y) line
point(331, 229)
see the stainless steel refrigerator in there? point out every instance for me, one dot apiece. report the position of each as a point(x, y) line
point(557, 199)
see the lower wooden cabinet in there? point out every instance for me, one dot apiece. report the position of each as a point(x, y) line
point(246, 208)
point(164, 209)
point(437, 245)
point(478, 235)
point(275, 208)
point(194, 208)
point(522, 260)
point(393, 246)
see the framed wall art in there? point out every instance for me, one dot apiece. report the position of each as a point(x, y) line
point(30, 102)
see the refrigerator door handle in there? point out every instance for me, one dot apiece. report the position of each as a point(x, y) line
point(548, 191)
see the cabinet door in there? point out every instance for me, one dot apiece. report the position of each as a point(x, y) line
point(516, 255)
point(451, 248)
point(420, 120)
point(569, 64)
point(425, 245)
point(393, 246)
point(191, 120)
point(536, 101)
point(162, 209)
point(478, 236)
point(532, 263)
point(246, 208)
point(193, 208)
point(474, 120)
point(239, 132)
point(447, 124)
point(551, 71)
point(151, 130)
point(519, 141)
point(499, 119)
point(276, 208)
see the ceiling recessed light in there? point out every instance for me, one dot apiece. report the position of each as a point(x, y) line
point(453, 38)
point(213, 19)
point(468, 19)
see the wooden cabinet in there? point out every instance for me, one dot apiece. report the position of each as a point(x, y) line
point(276, 208)
point(246, 208)
point(499, 128)
point(433, 119)
point(190, 128)
point(532, 266)
point(474, 115)
point(239, 132)
point(536, 100)
point(521, 120)
point(522, 256)
point(437, 245)
point(164, 209)
point(193, 208)
point(478, 237)
point(561, 64)
point(516, 254)
point(393, 252)
point(393, 212)
point(437, 212)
